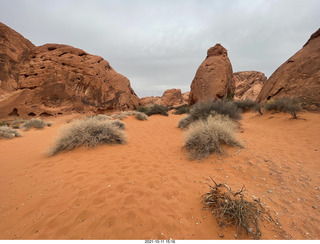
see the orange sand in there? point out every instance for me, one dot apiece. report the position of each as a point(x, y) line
point(148, 189)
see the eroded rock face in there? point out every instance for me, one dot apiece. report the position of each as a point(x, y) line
point(248, 84)
point(57, 78)
point(299, 76)
point(214, 77)
point(14, 49)
point(170, 98)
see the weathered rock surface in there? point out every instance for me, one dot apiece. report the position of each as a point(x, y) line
point(56, 78)
point(214, 77)
point(248, 84)
point(14, 49)
point(170, 98)
point(299, 76)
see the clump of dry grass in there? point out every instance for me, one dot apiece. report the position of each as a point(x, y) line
point(232, 209)
point(34, 123)
point(89, 133)
point(100, 117)
point(206, 136)
point(125, 114)
point(6, 132)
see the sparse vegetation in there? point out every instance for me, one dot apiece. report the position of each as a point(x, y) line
point(232, 209)
point(119, 124)
point(100, 117)
point(183, 109)
point(206, 136)
point(3, 123)
point(247, 104)
point(34, 123)
point(141, 116)
point(202, 110)
point(6, 132)
point(154, 109)
point(89, 133)
point(285, 104)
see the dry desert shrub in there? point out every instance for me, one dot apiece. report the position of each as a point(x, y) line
point(119, 124)
point(154, 109)
point(202, 110)
point(248, 104)
point(6, 132)
point(125, 114)
point(206, 136)
point(140, 115)
point(100, 117)
point(289, 105)
point(183, 109)
point(89, 133)
point(34, 123)
point(232, 209)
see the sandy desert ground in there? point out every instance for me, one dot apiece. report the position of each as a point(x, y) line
point(148, 189)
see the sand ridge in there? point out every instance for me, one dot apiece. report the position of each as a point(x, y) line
point(148, 189)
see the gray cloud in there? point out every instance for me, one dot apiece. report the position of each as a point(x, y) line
point(160, 44)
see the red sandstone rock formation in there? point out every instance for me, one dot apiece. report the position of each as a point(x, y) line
point(56, 78)
point(170, 98)
point(14, 49)
point(248, 84)
point(299, 76)
point(214, 77)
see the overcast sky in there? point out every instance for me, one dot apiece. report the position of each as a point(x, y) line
point(159, 44)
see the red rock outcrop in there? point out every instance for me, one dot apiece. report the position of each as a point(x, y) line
point(170, 98)
point(214, 77)
point(248, 84)
point(56, 78)
point(298, 77)
point(14, 49)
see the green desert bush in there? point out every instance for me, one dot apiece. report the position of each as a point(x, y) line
point(154, 109)
point(6, 132)
point(285, 104)
point(183, 109)
point(88, 133)
point(248, 104)
point(3, 123)
point(202, 110)
point(206, 136)
point(34, 123)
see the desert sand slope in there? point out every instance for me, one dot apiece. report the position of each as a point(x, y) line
point(148, 189)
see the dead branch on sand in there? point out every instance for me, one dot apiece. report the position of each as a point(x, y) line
point(230, 208)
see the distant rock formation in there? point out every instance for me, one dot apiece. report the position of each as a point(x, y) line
point(54, 78)
point(248, 84)
point(170, 98)
point(299, 76)
point(214, 77)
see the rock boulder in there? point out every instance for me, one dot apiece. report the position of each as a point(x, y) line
point(214, 77)
point(298, 77)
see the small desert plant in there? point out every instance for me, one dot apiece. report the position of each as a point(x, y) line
point(157, 109)
point(206, 136)
point(34, 123)
point(3, 123)
point(248, 104)
point(185, 122)
point(141, 116)
point(183, 109)
point(89, 133)
point(142, 109)
point(202, 110)
point(119, 124)
point(16, 123)
point(285, 104)
point(100, 117)
point(232, 209)
point(6, 132)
